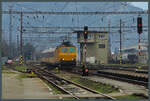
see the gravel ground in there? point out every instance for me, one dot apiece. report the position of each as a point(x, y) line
point(125, 88)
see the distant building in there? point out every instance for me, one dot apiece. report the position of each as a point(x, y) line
point(143, 58)
point(97, 47)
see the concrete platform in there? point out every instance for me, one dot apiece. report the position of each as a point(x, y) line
point(25, 88)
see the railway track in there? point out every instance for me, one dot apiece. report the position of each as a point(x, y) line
point(77, 91)
point(135, 70)
point(140, 80)
point(131, 78)
point(128, 73)
point(127, 78)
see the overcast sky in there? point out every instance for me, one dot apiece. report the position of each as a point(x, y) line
point(143, 5)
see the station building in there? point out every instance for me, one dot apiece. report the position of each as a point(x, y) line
point(97, 47)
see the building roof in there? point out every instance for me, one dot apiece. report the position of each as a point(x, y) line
point(143, 46)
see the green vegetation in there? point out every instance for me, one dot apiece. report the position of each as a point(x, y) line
point(21, 76)
point(27, 75)
point(54, 89)
point(4, 67)
point(21, 68)
point(94, 85)
point(131, 97)
point(8, 72)
point(15, 63)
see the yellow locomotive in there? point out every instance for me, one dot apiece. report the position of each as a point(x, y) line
point(64, 55)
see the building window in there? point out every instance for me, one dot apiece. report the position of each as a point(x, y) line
point(101, 45)
point(90, 36)
point(101, 36)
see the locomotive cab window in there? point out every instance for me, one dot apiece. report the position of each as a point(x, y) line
point(64, 50)
point(71, 50)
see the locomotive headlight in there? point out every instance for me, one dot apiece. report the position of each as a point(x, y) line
point(72, 58)
point(63, 59)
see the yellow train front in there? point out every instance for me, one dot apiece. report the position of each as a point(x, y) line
point(64, 55)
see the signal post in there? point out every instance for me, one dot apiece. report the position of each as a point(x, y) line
point(85, 39)
point(85, 69)
point(139, 30)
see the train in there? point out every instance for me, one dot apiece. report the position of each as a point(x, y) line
point(64, 55)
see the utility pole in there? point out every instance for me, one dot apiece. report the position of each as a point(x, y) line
point(18, 45)
point(85, 39)
point(85, 52)
point(10, 32)
point(21, 45)
point(120, 42)
point(109, 43)
point(81, 54)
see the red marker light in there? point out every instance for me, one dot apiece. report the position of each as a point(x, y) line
point(140, 25)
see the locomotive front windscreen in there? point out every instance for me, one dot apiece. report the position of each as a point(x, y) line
point(71, 50)
point(64, 50)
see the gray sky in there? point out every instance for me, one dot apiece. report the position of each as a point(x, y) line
point(143, 5)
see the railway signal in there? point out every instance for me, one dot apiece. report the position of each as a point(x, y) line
point(139, 29)
point(85, 32)
point(85, 71)
point(85, 38)
point(139, 25)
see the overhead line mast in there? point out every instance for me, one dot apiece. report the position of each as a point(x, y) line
point(21, 43)
point(10, 32)
point(120, 42)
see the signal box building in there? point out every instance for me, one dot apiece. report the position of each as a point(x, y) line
point(97, 47)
